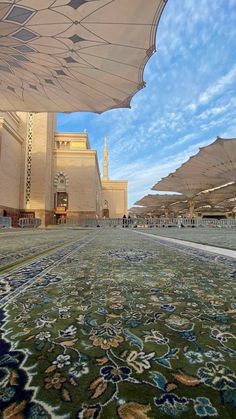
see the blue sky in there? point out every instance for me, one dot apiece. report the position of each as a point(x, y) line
point(190, 97)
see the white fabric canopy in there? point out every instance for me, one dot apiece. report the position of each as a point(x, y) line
point(216, 196)
point(140, 210)
point(212, 166)
point(179, 206)
point(189, 186)
point(228, 204)
point(159, 201)
point(217, 160)
point(74, 55)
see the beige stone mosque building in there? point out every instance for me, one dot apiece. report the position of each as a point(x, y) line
point(53, 176)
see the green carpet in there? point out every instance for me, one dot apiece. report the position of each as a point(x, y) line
point(119, 328)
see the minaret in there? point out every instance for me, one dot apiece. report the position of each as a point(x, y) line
point(105, 160)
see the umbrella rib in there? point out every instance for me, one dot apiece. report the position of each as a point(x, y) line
point(59, 93)
point(121, 23)
point(109, 43)
point(99, 81)
point(107, 72)
point(46, 94)
point(94, 34)
point(88, 94)
point(99, 8)
point(97, 90)
point(5, 95)
point(109, 59)
point(59, 33)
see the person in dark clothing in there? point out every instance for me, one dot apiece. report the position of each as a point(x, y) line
point(124, 224)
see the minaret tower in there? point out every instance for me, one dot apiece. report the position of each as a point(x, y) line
point(105, 160)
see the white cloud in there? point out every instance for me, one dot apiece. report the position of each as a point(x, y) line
point(212, 112)
point(191, 107)
point(218, 87)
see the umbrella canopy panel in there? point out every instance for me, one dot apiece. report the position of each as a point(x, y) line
point(228, 204)
point(74, 55)
point(179, 206)
point(217, 160)
point(159, 200)
point(137, 210)
point(188, 186)
point(141, 210)
point(216, 196)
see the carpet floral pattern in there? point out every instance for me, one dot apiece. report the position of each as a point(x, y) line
point(18, 246)
point(127, 329)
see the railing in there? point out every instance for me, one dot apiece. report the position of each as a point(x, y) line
point(29, 222)
point(186, 222)
point(153, 222)
point(5, 222)
point(101, 222)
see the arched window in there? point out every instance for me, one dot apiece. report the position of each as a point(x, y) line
point(105, 211)
point(61, 182)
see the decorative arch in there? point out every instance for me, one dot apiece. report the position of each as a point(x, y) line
point(61, 196)
point(60, 179)
point(105, 211)
point(105, 204)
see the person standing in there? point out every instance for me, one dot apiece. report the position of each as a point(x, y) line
point(124, 221)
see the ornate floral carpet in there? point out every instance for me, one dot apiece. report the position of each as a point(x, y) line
point(116, 326)
point(20, 245)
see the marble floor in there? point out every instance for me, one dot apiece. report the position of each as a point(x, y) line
point(107, 323)
point(220, 237)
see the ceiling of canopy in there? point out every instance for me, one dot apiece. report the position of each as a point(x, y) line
point(217, 160)
point(228, 204)
point(178, 206)
point(212, 166)
point(188, 186)
point(159, 200)
point(217, 196)
point(74, 55)
point(141, 210)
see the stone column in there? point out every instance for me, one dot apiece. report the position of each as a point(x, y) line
point(39, 182)
point(105, 161)
point(191, 204)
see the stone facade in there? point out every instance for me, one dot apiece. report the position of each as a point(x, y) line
point(114, 194)
point(53, 176)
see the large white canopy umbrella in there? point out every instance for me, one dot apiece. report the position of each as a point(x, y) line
point(227, 205)
point(216, 196)
point(74, 55)
point(179, 206)
point(188, 186)
point(161, 203)
point(143, 211)
point(217, 160)
point(137, 210)
point(159, 200)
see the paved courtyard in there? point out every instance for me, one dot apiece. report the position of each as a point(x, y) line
point(107, 323)
point(220, 237)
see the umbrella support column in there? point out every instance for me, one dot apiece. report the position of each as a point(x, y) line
point(191, 204)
